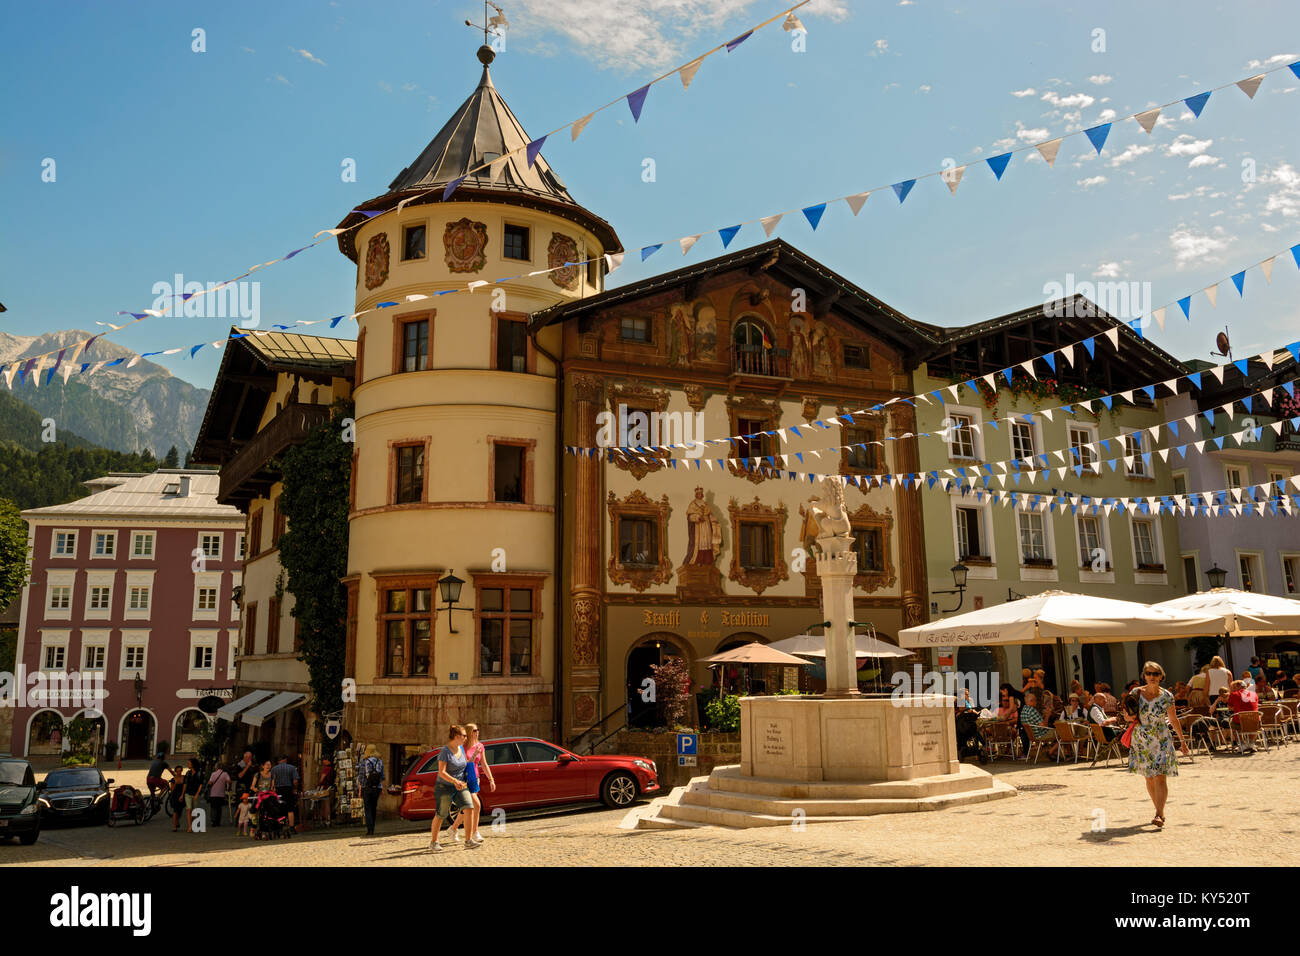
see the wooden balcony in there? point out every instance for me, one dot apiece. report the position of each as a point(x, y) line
point(247, 475)
point(754, 360)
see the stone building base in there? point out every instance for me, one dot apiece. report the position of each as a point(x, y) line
point(384, 716)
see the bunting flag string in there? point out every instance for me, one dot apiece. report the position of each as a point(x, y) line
point(634, 99)
point(1067, 352)
point(1069, 459)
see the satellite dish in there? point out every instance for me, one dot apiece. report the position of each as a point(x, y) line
point(1221, 343)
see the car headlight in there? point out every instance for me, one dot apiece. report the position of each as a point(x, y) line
point(645, 765)
point(43, 802)
point(28, 810)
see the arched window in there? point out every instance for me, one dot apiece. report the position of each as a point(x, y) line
point(185, 736)
point(46, 735)
point(752, 350)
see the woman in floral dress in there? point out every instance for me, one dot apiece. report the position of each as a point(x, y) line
point(1152, 753)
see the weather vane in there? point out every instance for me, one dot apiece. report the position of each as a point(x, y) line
point(497, 25)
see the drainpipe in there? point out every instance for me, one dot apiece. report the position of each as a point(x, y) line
point(557, 697)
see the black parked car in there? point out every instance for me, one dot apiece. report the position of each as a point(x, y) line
point(74, 793)
point(20, 814)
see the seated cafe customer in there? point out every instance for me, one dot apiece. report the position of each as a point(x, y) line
point(1109, 725)
point(1031, 718)
point(1240, 698)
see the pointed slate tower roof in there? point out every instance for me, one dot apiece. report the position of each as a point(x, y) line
point(482, 129)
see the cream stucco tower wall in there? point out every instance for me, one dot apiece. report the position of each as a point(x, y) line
point(458, 410)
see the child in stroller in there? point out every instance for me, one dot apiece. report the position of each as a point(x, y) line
point(272, 817)
point(128, 803)
point(970, 742)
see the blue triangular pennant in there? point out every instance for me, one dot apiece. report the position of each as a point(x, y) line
point(1151, 391)
point(728, 234)
point(648, 251)
point(1050, 359)
point(1239, 280)
point(903, 188)
point(1097, 135)
point(1185, 303)
point(814, 214)
point(636, 100)
point(739, 40)
point(1091, 345)
point(1007, 373)
point(1108, 400)
point(1195, 379)
point(999, 164)
point(1197, 103)
point(1241, 365)
point(532, 149)
point(452, 187)
point(1209, 416)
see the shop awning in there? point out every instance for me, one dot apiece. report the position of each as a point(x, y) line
point(231, 710)
point(271, 707)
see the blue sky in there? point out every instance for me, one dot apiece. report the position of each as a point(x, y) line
point(173, 161)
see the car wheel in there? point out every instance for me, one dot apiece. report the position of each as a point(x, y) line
point(27, 839)
point(619, 790)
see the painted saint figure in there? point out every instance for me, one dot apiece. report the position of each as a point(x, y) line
point(704, 531)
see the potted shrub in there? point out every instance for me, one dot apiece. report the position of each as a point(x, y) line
point(110, 751)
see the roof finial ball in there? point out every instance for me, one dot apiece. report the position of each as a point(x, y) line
point(486, 55)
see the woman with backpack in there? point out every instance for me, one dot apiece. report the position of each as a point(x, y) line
point(370, 781)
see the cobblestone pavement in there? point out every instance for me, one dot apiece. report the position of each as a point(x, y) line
point(1225, 809)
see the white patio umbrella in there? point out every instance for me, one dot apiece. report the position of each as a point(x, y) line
point(1045, 618)
point(864, 645)
point(1244, 613)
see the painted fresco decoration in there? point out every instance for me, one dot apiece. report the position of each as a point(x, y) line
point(561, 259)
point(800, 352)
point(377, 261)
point(465, 243)
point(703, 532)
point(822, 343)
point(692, 333)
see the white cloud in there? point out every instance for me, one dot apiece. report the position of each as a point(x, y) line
point(409, 87)
point(1107, 270)
point(1191, 246)
point(1025, 92)
point(1091, 181)
point(1100, 79)
point(1069, 101)
point(1130, 154)
point(280, 78)
point(306, 55)
point(248, 49)
point(1177, 196)
point(1272, 60)
point(906, 3)
point(1106, 116)
point(1285, 197)
point(1205, 160)
point(924, 88)
point(386, 87)
point(640, 34)
point(882, 46)
point(1033, 135)
point(1186, 145)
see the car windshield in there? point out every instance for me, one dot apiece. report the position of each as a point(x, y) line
point(72, 778)
point(12, 773)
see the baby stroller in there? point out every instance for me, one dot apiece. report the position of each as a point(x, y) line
point(970, 742)
point(128, 803)
point(272, 818)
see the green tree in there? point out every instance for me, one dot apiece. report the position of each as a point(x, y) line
point(172, 459)
point(13, 552)
point(314, 552)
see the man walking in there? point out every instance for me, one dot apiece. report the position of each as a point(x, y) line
point(370, 781)
point(218, 784)
point(286, 779)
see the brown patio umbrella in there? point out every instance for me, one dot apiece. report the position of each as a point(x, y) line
point(756, 653)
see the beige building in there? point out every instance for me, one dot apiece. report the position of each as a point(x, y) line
point(271, 390)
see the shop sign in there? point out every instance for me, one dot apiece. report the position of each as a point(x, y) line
point(333, 726)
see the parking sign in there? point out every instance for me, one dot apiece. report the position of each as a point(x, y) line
point(687, 745)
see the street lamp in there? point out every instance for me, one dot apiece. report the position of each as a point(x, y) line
point(1217, 576)
point(959, 572)
point(449, 590)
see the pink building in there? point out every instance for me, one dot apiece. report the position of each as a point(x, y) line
point(132, 587)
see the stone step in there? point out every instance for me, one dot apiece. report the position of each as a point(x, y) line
point(832, 809)
point(730, 779)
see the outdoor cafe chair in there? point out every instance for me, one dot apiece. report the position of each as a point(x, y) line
point(1270, 718)
point(1102, 747)
point(1203, 731)
point(1001, 738)
point(1290, 717)
point(1072, 735)
point(1249, 727)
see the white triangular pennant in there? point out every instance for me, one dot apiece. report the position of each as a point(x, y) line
point(687, 73)
point(688, 241)
point(1266, 357)
point(1148, 119)
point(953, 178)
point(1049, 150)
point(769, 222)
point(856, 201)
point(1217, 371)
point(1067, 353)
point(612, 261)
point(1212, 293)
point(1113, 335)
point(1250, 85)
point(1266, 267)
point(1159, 315)
point(1029, 367)
point(580, 125)
point(1164, 454)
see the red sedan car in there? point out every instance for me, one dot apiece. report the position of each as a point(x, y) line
point(533, 773)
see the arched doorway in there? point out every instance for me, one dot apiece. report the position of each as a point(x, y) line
point(45, 733)
point(186, 732)
point(138, 735)
point(651, 651)
point(99, 729)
